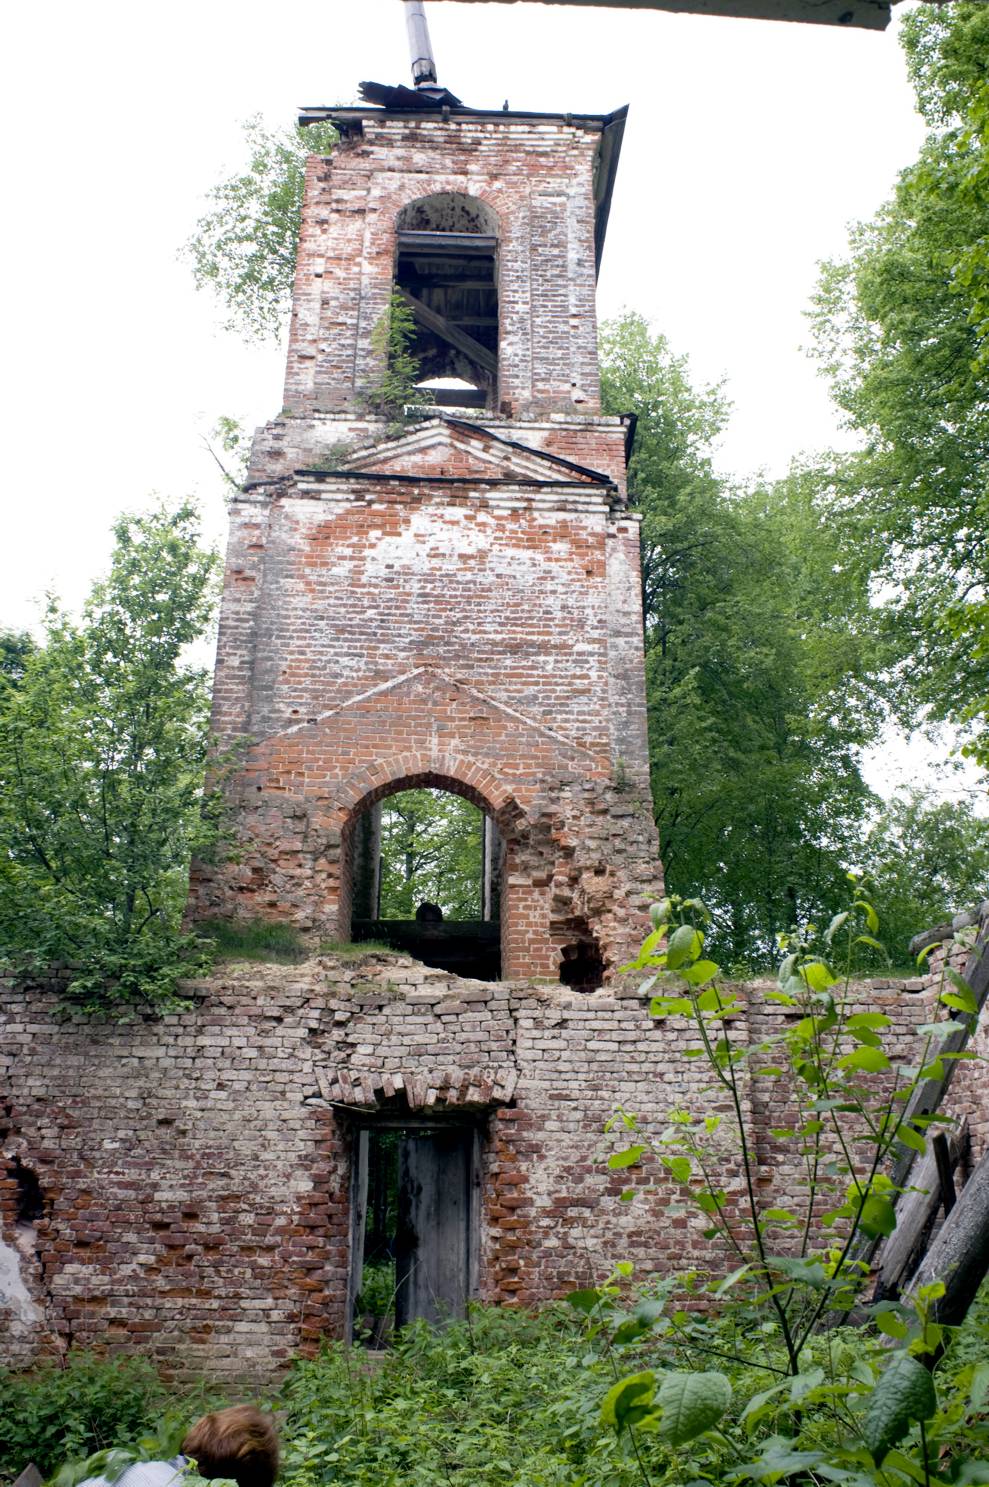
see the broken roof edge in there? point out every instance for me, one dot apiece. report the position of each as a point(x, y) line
point(611, 128)
point(869, 15)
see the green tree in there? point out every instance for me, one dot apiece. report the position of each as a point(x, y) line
point(102, 751)
point(16, 646)
point(928, 860)
point(430, 852)
point(758, 654)
point(244, 247)
point(391, 340)
point(900, 328)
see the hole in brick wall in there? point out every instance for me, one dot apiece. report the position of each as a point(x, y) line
point(30, 1198)
point(446, 266)
point(581, 961)
point(427, 870)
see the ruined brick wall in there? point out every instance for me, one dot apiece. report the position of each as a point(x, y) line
point(455, 604)
point(195, 1172)
point(537, 178)
point(451, 609)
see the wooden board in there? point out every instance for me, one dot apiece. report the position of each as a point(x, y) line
point(432, 1259)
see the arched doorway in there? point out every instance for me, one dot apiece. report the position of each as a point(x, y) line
point(425, 859)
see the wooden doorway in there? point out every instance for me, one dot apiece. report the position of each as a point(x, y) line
point(415, 1223)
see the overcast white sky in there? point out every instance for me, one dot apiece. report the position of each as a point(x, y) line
point(750, 146)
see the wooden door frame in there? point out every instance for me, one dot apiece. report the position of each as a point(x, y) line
point(361, 1124)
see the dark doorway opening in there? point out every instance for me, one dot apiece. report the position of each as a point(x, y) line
point(428, 868)
point(415, 1196)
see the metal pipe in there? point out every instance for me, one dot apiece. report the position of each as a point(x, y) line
point(423, 66)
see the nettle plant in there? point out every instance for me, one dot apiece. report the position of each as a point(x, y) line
point(760, 1374)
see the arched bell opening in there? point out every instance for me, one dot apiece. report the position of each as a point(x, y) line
point(424, 860)
point(446, 268)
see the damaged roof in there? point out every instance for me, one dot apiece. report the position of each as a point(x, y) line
point(401, 102)
point(872, 15)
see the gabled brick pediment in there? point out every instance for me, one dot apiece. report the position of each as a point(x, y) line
point(447, 448)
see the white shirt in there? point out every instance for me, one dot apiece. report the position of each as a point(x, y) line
point(145, 1474)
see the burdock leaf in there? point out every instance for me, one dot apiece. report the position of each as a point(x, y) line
point(691, 1403)
point(904, 1393)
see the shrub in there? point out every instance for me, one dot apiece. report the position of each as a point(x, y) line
point(56, 1412)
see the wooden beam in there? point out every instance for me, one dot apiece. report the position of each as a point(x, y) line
point(959, 1255)
point(906, 1243)
point(442, 327)
point(946, 1181)
point(916, 1214)
point(928, 1096)
point(447, 244)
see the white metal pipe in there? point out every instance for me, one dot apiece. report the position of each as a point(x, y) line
point(423, 66)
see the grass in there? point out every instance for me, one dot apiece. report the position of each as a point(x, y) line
point(255, 939)
point(353, 949)
point(279, 944)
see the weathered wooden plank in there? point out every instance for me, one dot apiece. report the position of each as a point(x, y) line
point(432, 1259)
point(928, 1095)
point(945, 1168)
point(911, 1230)
point(450, 333)
point(916, 1213)
point(475, 244)
point(959, 1256)
point(358, 1224)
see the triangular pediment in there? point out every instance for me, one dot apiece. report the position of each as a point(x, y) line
point(450, 449)
point(429, 681)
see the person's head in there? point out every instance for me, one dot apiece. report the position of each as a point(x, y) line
point(239, 1442)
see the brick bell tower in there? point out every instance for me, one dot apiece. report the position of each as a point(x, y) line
point(452, 600)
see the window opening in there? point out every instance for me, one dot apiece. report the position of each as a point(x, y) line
point(446, 269)
point(414, 1225)
point(427, 880)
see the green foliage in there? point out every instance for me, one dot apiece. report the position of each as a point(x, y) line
point(254, 939)
point(903, 1394)
point(927, 860)
point(430, 852)
point(832, 1405)
point(90, 1404)
point(244, 247)
point(391, 340)
point(16, 648)
point(541, 1401)
point(377, 1293)
point(502, 1398)
point(759, 653)
point(103, 744)
point(235, 443)
point(901, 330)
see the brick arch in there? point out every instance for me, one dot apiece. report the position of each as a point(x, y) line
point(415, 771)
point(405, 215)
point(522, 907)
